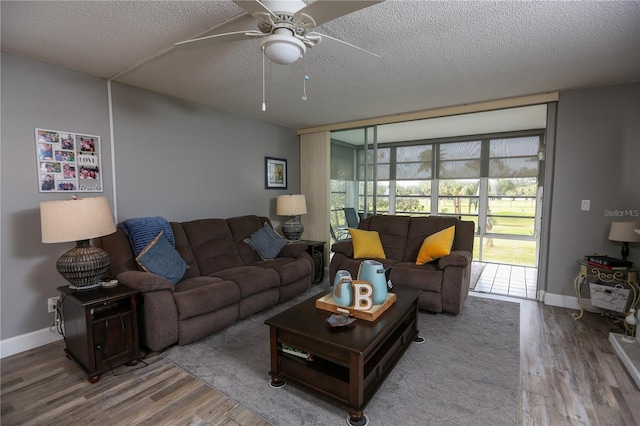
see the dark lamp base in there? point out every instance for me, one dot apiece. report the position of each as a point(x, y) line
point(625, 251)
point(292, 230)
point(83, 266)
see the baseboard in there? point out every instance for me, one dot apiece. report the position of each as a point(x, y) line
point(24, 342)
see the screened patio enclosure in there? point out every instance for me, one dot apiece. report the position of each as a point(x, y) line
point(493, 179)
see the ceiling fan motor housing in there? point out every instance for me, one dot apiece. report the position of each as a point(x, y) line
point(282, 47)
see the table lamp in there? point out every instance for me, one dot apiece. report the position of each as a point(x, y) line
point(624, 232)
point(291, 205)
point(79, 220)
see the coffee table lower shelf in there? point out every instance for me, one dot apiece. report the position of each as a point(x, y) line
point(345, 376)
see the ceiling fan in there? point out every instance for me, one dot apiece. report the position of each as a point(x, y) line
point(284, 29)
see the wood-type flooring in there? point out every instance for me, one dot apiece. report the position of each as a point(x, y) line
point(569, 375)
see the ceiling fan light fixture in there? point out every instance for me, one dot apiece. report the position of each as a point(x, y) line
point(283, 49)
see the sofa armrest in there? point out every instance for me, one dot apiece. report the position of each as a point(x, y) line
point(293, 250)
point(343, 247)
point(144, 281)
point(455, 258)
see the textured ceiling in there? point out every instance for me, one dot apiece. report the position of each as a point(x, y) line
point(433, 53)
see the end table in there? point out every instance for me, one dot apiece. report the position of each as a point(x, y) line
point(316, 250)
point(100, 328)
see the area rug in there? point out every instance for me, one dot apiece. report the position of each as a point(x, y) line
point(476, 271)
point(466, 372)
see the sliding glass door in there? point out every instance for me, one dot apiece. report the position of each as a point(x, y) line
point(492, 180)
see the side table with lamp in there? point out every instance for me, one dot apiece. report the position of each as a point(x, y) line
point(99, 325)
point(619, 274)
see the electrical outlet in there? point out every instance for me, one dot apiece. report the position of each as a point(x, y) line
point(52, 303)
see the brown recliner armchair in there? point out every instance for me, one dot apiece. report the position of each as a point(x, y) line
point(444, 282)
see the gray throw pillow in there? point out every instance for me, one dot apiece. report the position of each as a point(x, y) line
point(266, 242)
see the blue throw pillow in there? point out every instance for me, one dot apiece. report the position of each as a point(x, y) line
point(161, 258)
point(266, 242)
point(142, 230)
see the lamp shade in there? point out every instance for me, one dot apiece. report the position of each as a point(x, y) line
point(291, 205)
point(624, 232)
point(75, 220)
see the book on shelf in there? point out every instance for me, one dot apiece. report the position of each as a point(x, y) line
point(608, 261)
point(296, 352)
point(607, 267)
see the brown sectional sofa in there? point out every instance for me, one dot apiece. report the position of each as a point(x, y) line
point(445, 281)
point(226, 279)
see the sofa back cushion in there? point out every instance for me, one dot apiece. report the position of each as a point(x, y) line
point(242, 227)
point(183, 247)
point(211, 244)
point(393, 232)
point(120, 252)
point(465, 236)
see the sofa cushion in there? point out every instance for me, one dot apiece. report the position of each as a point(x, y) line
point(212, 245)
point(290, 270)
point(427, 277)
point(250, 279)
point(120, 252)
point(205, 299)
point(161, 258)
point(266, 242)
point(393, 232)
point(366, 244)
point(184, 248)
point(195, 282)
point(436, 246)
point(242, 227)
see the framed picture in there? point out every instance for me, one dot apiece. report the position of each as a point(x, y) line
point(275, 173)
point(68, 161)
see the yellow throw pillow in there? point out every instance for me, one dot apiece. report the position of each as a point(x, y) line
point(436, 245)
point(366, 244)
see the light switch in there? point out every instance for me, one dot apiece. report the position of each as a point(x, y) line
point(586, 205)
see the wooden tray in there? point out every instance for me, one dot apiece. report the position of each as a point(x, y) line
point(327, 303)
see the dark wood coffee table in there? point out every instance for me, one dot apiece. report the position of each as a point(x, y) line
point(348, 363)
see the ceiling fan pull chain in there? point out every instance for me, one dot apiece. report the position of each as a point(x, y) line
point(264, 104)
point(304, 87)
point(305, 78)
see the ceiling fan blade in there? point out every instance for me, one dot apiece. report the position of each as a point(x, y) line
point(347, 51)
point(253, 7)
point(326, 10)
point(211, 40)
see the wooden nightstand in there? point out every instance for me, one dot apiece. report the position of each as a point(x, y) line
point(316, 250)
point(100, 328)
